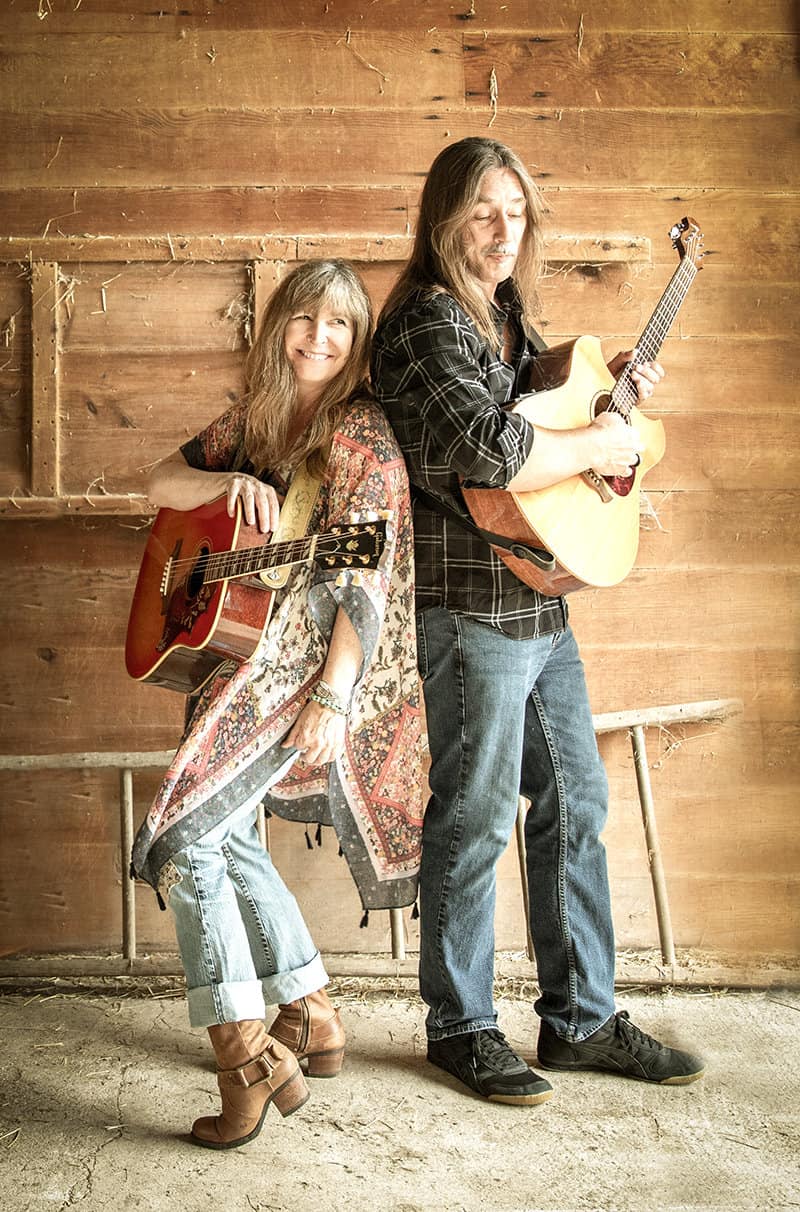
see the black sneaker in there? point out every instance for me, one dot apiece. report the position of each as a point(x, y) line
point(619, 1047)
point(487, 1064)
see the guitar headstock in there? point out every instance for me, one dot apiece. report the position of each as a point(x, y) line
point(358, 545)
point(687, 239)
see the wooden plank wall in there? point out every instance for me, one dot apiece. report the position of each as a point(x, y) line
point(162, 164)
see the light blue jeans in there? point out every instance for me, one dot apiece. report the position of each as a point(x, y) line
point(243, 941)
point(506, 717)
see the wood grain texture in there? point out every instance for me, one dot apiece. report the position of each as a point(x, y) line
point(45, 446)
point(742, 227)
point(154, 307)
point(148, 146)
point(15, 376)
point(175, 163)
point(264, 71)
point(204, 211)
point(642, 70)
point(618, 300)
point(136, 16)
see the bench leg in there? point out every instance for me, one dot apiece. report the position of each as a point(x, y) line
point(653, 845)
point(522, 809)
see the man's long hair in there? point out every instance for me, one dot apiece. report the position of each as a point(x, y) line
point(448, 200)
point(270, 384)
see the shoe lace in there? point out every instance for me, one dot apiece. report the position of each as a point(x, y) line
point(631, 1036)
point(491, 1045)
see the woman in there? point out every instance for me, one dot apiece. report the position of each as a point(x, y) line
point(321, 724)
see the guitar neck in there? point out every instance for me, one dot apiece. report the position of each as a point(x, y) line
point(624, 394)
point(228, 565)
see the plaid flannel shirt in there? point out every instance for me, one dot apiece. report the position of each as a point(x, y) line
point(446, 395)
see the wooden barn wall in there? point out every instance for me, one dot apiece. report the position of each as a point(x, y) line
point(163, 164)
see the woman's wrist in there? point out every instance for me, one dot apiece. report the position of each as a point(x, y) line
point(326, 696)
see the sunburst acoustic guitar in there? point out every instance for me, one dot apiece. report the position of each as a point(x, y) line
point(589, 522)
point(203, 596)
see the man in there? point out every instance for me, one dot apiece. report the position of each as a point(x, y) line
point(506, 702)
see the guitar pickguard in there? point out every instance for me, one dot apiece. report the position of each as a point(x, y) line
point(183, 611)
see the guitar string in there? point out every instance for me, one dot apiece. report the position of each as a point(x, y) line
point(624, 395)
point(229, 564)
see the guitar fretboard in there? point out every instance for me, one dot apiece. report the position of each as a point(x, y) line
point(624, 394)
point(227, 565)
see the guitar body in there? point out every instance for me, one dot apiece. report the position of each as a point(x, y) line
point(590, 523)
point(201, 597)
point(177, 638)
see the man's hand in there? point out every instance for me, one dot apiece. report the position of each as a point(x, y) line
point(616, 443)
point(646, 376)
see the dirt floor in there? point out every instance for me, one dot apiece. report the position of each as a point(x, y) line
point(98, 1093)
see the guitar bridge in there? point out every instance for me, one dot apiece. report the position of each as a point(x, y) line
point(599, 485)
point(163, 588)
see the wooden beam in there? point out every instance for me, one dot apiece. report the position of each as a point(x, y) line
point(265, 277)
point(40, 505)
point(44, 444)
point(660, 717)
point(568, 247)
point(102, 760)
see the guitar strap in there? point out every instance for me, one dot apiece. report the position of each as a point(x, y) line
point(534, 555)
point(293, 521)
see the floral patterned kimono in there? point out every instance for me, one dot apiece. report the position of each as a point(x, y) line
point(372, 795)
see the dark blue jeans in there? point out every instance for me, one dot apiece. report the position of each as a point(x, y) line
point(508, 717)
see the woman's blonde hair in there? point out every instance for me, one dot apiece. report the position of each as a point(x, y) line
point(270, 384)
point(449, 197)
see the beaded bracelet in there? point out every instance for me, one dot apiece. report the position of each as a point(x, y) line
point(326, 697)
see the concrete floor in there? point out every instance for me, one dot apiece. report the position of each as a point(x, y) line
point(98, 1093)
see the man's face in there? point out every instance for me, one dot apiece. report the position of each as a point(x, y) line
point(492, 235)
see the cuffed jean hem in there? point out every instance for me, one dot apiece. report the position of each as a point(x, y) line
point(289, 986)
point(576, 1037)
point(479, 1024)
point(228, 1002)
point(234, 1001)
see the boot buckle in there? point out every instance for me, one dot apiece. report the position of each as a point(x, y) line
point(239, 1077)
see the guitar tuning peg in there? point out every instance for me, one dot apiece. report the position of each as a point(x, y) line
point(341, 580)
point(354, 518)
point(386, 515)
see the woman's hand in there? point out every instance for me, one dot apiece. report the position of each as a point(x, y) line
point(318, 733)
point(260, 502)
point(173, 483)
point(646, 376)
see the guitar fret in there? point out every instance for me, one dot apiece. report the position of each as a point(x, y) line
point(228, 565)
point(624, 395)
point(340, 545)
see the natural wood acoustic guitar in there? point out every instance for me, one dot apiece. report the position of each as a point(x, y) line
point(589, 522)
point(203, 593)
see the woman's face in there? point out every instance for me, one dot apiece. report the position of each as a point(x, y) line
point(318, 343)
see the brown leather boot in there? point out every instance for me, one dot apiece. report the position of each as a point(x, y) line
point(312, 1029)
point(253, 1070)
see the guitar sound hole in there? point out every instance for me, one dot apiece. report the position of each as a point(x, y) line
point(620, 485)
point(196, 578)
